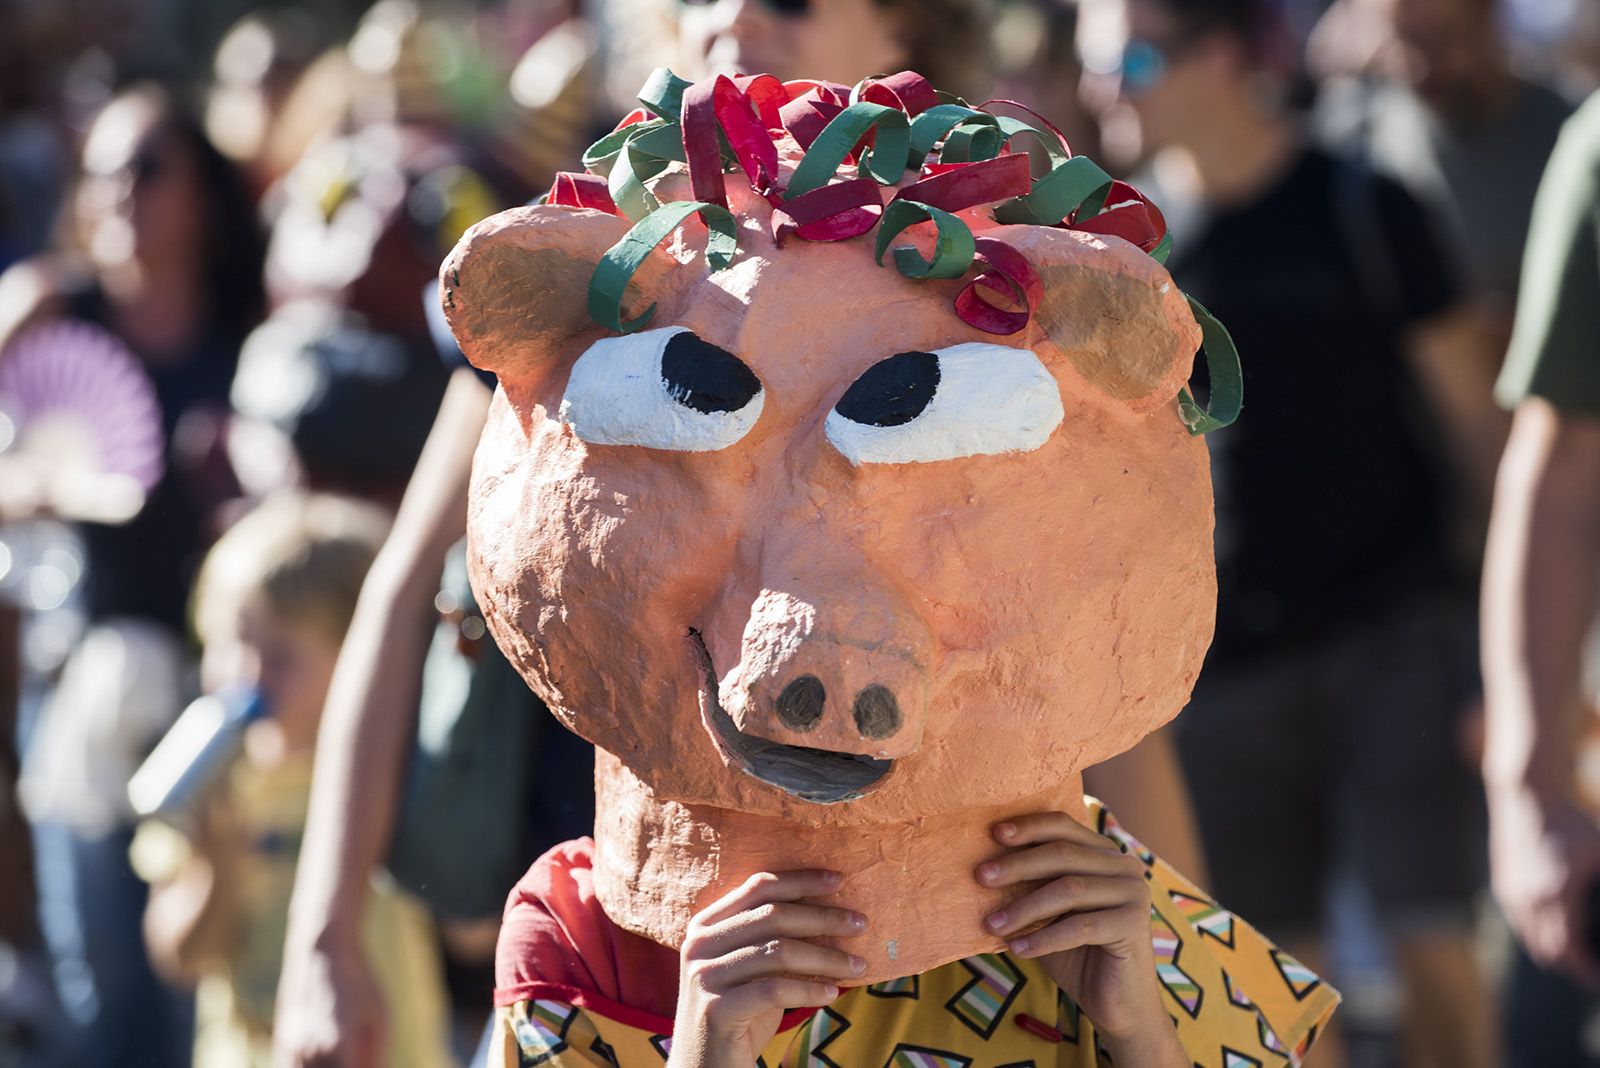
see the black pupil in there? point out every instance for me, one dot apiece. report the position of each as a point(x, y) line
point(703, 377)
point(892, 391)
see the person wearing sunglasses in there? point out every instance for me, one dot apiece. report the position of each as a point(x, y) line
point(839, 40)
point(1324, 725)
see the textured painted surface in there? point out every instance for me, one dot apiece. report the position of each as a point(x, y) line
point(1030, 612)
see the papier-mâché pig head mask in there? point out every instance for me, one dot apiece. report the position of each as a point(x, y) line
point(837, 563)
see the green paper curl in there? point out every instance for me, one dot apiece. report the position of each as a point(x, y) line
point(885, 160)
point(1227, 377)
point(971, 142)
point(599, 157)
point(626, 182)
point(1163, 249)
point(617, 266)
point(936, 123)
point(663, 141)
point(953, 247)
point(662, 93)
point(658, 138)
point(1076, 185)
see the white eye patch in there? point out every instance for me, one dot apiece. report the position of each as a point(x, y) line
point(973, 399)
point(661, 389)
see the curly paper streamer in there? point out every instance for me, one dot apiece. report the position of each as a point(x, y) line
point(1222, 367)
point(808, 113)
point(884, 126)
point(908, 91)
point(885, 160)
point(966, 185)
point(953, 246)
point(1078, 185)
point(581, 191)
point(617, 266)
point(1007, 273)
point(833, 213)
point(1127, 214)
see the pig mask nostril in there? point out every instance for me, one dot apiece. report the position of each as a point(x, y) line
point(818, 775)
point(800, 704)
point(877, 712)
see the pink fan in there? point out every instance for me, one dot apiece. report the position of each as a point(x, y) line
point(79, 397)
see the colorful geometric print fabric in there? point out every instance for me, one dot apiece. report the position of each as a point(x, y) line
point(1237, 1000)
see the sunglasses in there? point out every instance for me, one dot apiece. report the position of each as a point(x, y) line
point(789, 9)
point(1141, 65)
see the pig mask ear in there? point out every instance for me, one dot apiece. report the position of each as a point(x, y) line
point(1111, 313)
point(515, 287)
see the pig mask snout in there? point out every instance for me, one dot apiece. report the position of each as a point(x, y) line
point(843, 674)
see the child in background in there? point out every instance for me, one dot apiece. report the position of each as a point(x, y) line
point(271, 606)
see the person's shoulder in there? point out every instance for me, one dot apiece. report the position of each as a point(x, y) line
point(557, 943)
point(1340, 168)
point(546, 917)
point(559, 886)
point(1357, 187)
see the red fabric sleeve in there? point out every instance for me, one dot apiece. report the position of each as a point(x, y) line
point(556, 940)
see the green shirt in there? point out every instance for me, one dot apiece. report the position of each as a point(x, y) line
point(1555, 347)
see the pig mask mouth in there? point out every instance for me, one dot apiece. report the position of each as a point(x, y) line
point(818, 775)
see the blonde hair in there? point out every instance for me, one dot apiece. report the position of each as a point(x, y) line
point(302, 556)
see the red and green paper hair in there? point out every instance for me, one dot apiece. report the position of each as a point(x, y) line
point(855, 142)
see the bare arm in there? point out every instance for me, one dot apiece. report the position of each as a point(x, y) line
point(1539, 580)
point(1145, 787)
point(361, 748)
point(192, 914)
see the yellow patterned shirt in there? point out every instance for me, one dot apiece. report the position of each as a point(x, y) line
point(1236, 999)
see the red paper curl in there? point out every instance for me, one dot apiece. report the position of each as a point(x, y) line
point(572, 190)
point(908, 91)
point(830, 213)
point(1008, 274)
point(1127, 214)
point(957, 186)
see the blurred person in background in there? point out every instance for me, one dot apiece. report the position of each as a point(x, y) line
point(393, 186)
point(1539, 603)
point(257, 65)
point(1036, 59)
point(1441, 107)
point(272, 603)
point(1327, 714)
point(837, 40)
point(160, 251)
point(329, 1010)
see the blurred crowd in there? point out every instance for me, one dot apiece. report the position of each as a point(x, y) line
point(235, 437)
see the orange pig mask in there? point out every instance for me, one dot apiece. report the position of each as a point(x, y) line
point(829, 576)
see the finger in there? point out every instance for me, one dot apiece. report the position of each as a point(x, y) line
point(764, 887)
point(777, 992)
point(1045, 827)
point(1121, 931)
point(781, 956)
point(1050, 860)
point(1066, 895)
point(780, 919)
